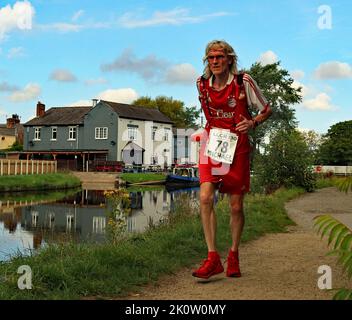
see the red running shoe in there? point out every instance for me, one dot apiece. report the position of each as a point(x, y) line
point(210, 267)
point(233, 265)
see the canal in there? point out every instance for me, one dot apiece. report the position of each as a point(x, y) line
point(29, 222)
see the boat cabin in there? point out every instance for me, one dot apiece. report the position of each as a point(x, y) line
point(186, 172)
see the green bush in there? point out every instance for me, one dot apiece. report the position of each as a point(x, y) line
point(286, 162)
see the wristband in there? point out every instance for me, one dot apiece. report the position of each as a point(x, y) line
point(255, 123)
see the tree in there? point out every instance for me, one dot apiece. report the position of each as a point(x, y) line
point(285, 162)
point(336, 148)
point(16, 146)
point(174, 109)
point(314, 141)
point(276, 85)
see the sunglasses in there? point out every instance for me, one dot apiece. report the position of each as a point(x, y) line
point(218, 57)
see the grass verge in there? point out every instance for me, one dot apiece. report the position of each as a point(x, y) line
point(142, 177)
point(52, 181)
point(71, 271)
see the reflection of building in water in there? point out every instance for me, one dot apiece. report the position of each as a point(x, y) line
point(79, 217)
point(148, 209)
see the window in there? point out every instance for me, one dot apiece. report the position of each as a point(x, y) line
point(101, 133)
point(153, 133)
point(37, 133)
point(53, 133)
point(132, 132)
point(72, 133)
point(166, 134)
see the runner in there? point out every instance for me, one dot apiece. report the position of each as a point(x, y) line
point(224, 160)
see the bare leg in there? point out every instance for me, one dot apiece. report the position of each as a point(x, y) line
point(236, 220)
point(207, 213)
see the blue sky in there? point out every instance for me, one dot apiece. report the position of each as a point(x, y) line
point(66, 52)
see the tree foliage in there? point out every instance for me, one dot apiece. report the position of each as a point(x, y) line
point(277, 86)
point(16, 146)
point(175, 109)
point(336, 148)
point(285, 162)
point(314, 141)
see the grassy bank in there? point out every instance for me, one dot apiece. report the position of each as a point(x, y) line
point(73, 271)
point(52, 181)
point(142, 177)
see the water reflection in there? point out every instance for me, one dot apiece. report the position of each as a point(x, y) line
point(28, 225)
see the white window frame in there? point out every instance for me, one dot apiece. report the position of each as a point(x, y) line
point(132, 132)
point(166, 134)
point(154, 129)
point(37, 132)
point(72, 133)
point(101, 133)
point(53, 129)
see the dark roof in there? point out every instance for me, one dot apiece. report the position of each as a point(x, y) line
point(137, 112)
point(60, 116)
point(4, 131)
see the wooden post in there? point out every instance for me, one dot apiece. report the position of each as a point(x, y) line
point(2, 167)
point(9, 167)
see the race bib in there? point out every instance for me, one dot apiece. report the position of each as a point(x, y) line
point(221, 145)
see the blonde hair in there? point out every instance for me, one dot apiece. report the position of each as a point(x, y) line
point(228, 50)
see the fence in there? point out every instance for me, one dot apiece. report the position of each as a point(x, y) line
point(337, 170)
point(24, 167)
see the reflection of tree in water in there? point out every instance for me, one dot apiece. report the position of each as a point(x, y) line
point(11, 220)
point(37, 239)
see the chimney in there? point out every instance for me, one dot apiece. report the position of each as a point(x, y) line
point(11, 122)
point(94, 102)
point(40, 109)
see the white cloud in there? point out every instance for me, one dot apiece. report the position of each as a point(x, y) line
point(63, 75)
point(268, 57)
point(30, 92)
point(333, 70)
point(16, 53)
point(77, 15)
point(321, 102)
point(177, 16)
point(81, 103)
point(183, 73)
point(63, 27)
point(125, 95)
point(148, 68)
point(6, 87)
point(66, 27)
point(297, 74)
point(18, 17)
point(93, 82)
point(152, 68)
point(305, 91)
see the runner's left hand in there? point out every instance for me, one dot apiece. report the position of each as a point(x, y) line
point(244, 125)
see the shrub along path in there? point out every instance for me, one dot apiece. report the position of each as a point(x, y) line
point(276, 266)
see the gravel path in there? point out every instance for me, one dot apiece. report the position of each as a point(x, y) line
point(277, 266)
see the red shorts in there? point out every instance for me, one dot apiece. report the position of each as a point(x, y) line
point(232, 179)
